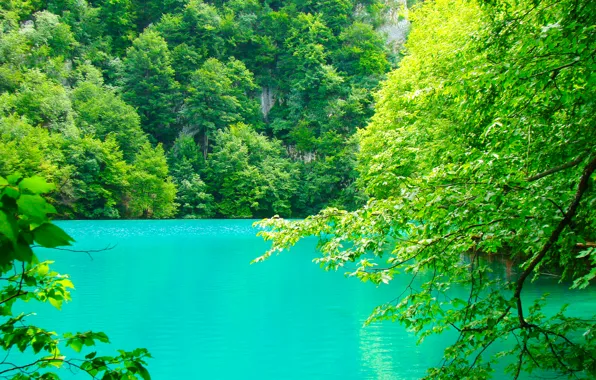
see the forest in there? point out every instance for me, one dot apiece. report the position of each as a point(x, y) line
point(189, 109)
point(474, 139)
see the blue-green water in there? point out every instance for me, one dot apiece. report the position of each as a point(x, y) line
point(186, 291)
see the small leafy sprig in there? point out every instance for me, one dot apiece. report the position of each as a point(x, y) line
point(25, 222)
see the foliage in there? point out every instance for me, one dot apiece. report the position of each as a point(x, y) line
point(100, 112)
point(186, 161)
point(252, 178)
point(482, 143)
point(29, 150)
point(25, 224)
point(43, 102)
point(193, 196)
point(218, 98)
point(98, 180)
point(151, 186)
point(301, 73)
point(149, 85)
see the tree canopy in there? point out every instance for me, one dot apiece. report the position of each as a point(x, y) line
point(119, 73)
point(482, 143)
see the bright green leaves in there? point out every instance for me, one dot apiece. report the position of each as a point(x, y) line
point(49, 286)
point(36, 185)
point(151, 187)
point(488, 97)
point(77, 341)
point(34, 208)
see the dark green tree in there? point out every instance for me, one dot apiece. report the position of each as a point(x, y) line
point(98, 181)
point(249, 176)
point(152, 192)
point(101, 112)
point(149, 85)
point(218, 97)
point(118, 19)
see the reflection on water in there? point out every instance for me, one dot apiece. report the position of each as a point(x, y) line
point(186, 291)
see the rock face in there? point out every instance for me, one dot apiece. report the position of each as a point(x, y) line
point(397, 25)
point(267, 100)
point(297, 155)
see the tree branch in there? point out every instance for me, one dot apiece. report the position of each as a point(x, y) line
point(559, 168)
point(571, 211)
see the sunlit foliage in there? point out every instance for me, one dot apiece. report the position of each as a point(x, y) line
point(483, 143)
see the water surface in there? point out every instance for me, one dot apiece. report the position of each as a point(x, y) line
point(186, 291)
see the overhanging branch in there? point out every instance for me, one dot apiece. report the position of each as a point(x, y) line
point(568, 216)
point(559, 168)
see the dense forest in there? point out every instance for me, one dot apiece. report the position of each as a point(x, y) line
point(190, 109)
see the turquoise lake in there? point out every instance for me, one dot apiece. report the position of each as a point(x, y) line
point(186, 291)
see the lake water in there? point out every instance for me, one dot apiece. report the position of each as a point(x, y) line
point(186, 291)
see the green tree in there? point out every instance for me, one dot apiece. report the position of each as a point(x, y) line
point(29, 150)
point(24, 224)
point(118, 20)
point(149, 85)
point(363, 51)
point(192, 196)
point(329, 179)
point(249, 175)
point(101, 112)
point(98, 181)
point(218, 97)
point(152, 192)
point(149, 12)
point(187, 163)
point(335, 13)
point(43, 102)
point(482, 143)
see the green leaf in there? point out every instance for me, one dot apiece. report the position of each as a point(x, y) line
point(23, 252)
point(585, 253)
point(143, 372)
point(51, 236)
point(8, 227)
point(34, 206)
point(11, 192)
point(36, 185)
point(76, 345)
point(3, 181)
point(56, 303)
point(102, 337)
point(90, 355)
point(14, 178)
point(7, 253)
point(37, 346)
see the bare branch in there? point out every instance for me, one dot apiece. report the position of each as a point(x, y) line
point(88, 251)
